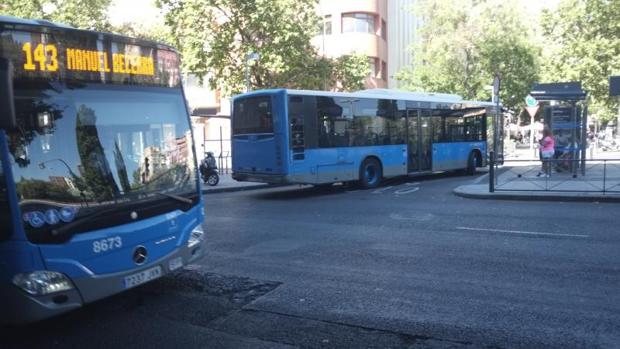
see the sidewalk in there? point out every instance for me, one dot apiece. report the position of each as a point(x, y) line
point(517, 180)
point(227, 184)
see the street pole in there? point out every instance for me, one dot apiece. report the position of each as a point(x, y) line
point(497, 123)
point(247, 76)
point(250, 57)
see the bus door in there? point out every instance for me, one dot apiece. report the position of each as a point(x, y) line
point(418, 140)
point(413, 163)
point(426, 140)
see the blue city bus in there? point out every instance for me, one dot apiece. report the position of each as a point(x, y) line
point(316, 137)
point(99, 191)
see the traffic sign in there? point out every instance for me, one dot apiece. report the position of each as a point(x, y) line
point(530, 101)
point(532, 110)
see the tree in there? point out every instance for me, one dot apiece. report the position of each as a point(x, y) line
point(465, 43)
point(155, 32)
point(82, 14)
point(96, 172)
point(583, 45)
point(349, 71)
point(216, 36)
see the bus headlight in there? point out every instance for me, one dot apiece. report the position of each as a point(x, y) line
point(42, 282)
point(196, 237)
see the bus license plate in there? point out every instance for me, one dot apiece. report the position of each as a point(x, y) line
point(142, 277)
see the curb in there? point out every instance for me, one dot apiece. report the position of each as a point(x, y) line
point(533, 196)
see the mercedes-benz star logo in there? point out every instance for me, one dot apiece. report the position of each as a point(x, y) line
point(139, 255)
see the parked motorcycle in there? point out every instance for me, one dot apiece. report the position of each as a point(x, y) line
point(210, 177)
point(208, 170)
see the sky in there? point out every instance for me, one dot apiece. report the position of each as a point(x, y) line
point(145, 11)
point(134, 11)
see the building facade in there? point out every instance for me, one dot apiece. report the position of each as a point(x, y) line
point(402, 27)
point(382, 30)
point(356, 26)
point(210, 115)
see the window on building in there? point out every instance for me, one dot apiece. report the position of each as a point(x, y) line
point(358, 23)
point(372, 62)
point(383, 70)
point(383, 30)
point(327, 25)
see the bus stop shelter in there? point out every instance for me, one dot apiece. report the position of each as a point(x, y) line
point(566, 113)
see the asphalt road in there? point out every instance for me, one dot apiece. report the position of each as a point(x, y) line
point(409, 265)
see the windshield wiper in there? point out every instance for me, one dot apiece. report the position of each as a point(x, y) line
point(60, 231)
point(176, 197)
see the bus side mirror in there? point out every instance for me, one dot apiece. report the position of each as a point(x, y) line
point(7, 104)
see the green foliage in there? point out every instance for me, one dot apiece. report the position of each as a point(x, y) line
point(464, 43)
point(215, 37)
point(349, 72)
point(583, 44)
point(155, 32)
point(38, 189)
point(82, 14)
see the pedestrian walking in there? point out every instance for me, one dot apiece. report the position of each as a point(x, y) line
point(547, 150)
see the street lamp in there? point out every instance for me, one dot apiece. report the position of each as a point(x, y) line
point(42, 165)
point(250, 57)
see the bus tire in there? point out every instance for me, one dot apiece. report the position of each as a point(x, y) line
point(472, 163)
point(371, 173)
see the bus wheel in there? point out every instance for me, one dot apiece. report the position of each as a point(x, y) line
point(472, 163)
point(370, 173)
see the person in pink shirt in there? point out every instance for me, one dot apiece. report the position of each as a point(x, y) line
point(547, 150)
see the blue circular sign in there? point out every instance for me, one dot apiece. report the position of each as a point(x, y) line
point(35, 218)
point(531, 101)
point(67, 214)
point(52, 216)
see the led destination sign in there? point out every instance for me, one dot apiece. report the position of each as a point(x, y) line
point(90, 58)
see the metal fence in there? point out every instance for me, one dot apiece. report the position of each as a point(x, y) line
point(560, 175)
point(221, 151)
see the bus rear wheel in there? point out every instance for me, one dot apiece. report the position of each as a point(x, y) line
point(472, 163)
point(370, 173)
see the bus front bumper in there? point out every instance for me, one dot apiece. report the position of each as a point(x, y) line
point(21, 308)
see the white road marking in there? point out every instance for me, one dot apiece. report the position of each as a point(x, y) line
point(414, 183)
point(479, 179)
point(406, 191)
point(380, 191)
point(419, 217)
point(523, 232)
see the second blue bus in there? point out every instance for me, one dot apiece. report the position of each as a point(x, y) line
point(317, 137)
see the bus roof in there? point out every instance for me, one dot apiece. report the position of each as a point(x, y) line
point(42, 23)
point(381, 93)
point(34, 22)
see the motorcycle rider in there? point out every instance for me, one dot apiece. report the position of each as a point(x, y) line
point(208, 164)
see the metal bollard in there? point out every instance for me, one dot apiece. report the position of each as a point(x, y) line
point(491, 172)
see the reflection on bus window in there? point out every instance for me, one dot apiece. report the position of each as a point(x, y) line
point(99, 148)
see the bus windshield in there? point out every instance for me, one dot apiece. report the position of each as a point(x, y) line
point(253, 115)
point(81, 148)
